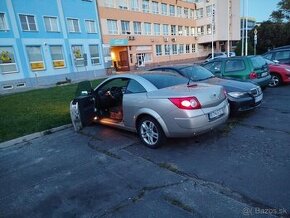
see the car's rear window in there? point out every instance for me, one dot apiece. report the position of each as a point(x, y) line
point(164, 80)
point(258, 62)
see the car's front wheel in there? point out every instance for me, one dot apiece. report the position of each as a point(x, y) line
point(275, 80)
point(150, 132)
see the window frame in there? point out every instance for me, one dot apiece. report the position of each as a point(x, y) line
point(94, 24)
point(58, 60)
point(98, 58)
point(29, 29)
point(5, 64)
point(6, 26)
point(114, 32)
point(57, 24)
point(78, 22)
point(35, 62)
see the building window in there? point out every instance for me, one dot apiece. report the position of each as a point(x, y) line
point(3, 23)
point(35, 58)
point(147, 28)
point(73, 25)
point(123, 4)
point(95, 55)
point(167, 49)
point(179, 14)
point(7, 60)
point(156, 29)
point(186, 14)
point(78, 54)
point(57, 56)
point(125, 27)
point(191, 13)
point(135, 5)
point(192, 31)
point(165, 29)
point(51, 24)
point(112, 26)
point(27, 22)
point(181, 49)
point(174, 49)
point(187, 48)
point(180, 30)
point(145, 6)
point(137, 27)
point(164, 9)
point(173, 30)
point(109, 3)
point(187, 31)
point(158, 50)
point(155, 8)
point(208, 29)
point(91, 26)
point(172, 10)
point(200, 30)
point(208, 10)
point(193, 50)
point(199, 13)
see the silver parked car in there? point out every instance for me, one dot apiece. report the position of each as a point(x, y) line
point(156, 105)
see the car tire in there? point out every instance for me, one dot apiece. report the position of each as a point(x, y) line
point(275, 80)
point(150, 132)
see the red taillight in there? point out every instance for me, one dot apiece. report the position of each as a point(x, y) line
point(187, 103)
point(253, 75)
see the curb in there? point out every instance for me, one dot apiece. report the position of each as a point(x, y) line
point(33, 136)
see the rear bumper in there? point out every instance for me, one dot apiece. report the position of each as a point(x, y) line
point(190, 126)
point(262, 82)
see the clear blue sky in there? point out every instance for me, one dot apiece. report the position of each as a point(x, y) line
point(260, 9)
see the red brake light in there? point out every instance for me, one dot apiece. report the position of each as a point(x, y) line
point(187, 103)
point(253, 75)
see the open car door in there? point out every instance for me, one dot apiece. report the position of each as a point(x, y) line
point(82, 108)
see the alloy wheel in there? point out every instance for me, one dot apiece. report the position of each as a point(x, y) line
point(149, 132)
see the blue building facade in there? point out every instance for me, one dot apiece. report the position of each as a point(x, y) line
point(48, 41)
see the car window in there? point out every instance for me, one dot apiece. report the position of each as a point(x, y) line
point(234, 65)
point(282, 55)
point(268, 56)
point(196, 73)
point(134, 87)
point(118, 82)
point(161, 81)
point(258, 62)
point(213, 66)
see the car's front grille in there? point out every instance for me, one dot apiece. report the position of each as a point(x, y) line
point(255, 91)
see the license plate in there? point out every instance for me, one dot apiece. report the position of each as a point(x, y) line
point(264, 74)
point(259, 98)
point(216, 114)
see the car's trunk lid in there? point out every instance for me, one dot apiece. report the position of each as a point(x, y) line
point(207, 95)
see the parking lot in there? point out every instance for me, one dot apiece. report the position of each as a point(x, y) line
point(239, 169)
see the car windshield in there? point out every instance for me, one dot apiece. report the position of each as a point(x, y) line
point(196, 73)
point(268, 61)
point(163, 80)
point(258, 62)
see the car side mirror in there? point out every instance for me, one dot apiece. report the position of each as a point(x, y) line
point(276, 61)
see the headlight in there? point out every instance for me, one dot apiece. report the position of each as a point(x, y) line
point(236, 94)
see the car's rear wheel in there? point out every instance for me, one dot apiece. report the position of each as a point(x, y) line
point(150, 132)
point(275, 80)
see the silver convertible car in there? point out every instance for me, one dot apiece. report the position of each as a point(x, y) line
point(156, 105)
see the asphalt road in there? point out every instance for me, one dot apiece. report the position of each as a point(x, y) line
point(240, 169)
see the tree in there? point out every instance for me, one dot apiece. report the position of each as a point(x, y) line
point(283, 12)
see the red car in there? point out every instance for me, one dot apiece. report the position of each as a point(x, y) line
point(280, 73)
